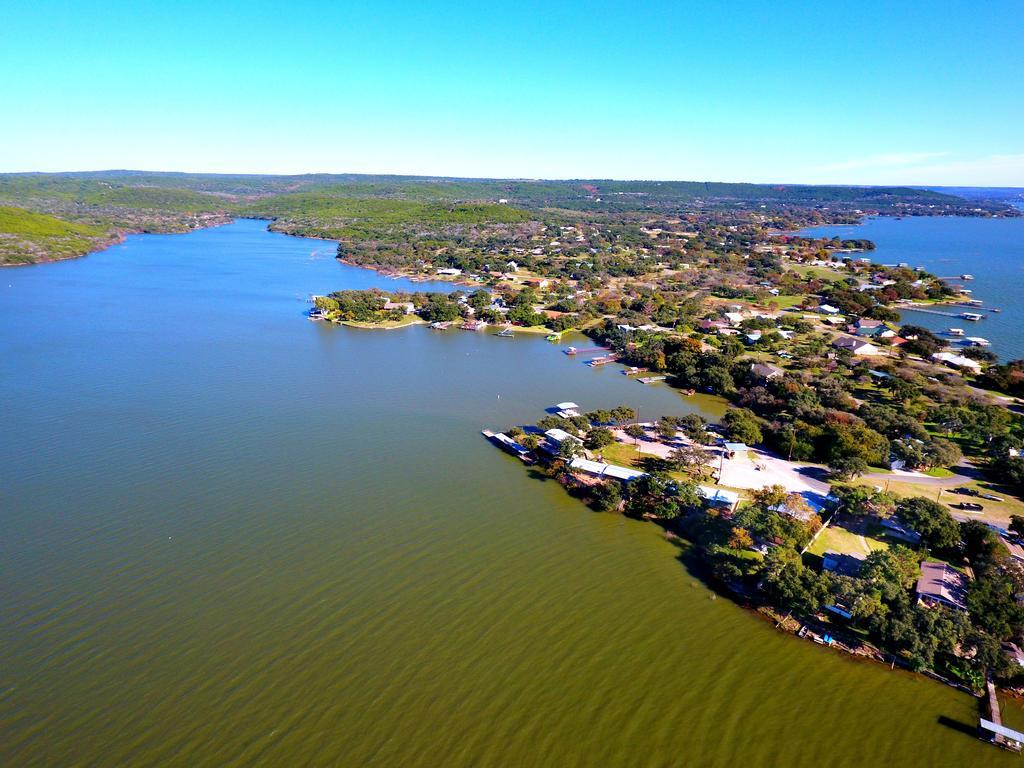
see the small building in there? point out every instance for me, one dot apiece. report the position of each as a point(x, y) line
point(567, 410)
point(896, 528)
point(857, 346)
point(734, 318)
point(610, 471)
point(765, 371)
point(719, 497)
point(957, 361)
point(941, 584)
point(841, 564)
point(828, 309)
point(405, 306)
point(449, 272)
point(734, 449)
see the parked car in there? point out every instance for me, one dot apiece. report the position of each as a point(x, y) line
point(991, 497)
point(965, 491)
point(969, 506)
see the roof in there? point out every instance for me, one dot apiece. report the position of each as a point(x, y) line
point(1002, 730)
point(940, 581)
point(958, 361)
point(605, 470)
point(566, 406)
point(718, 495)
point(735, 447)
point(558, 435)
point(766, 370)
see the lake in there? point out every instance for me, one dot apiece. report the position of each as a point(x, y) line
point(230, 536)
point(992, 250)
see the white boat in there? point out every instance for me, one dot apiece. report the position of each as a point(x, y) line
point(971, 316)
point(966, 277)
point(976, 341)
point(955, 331)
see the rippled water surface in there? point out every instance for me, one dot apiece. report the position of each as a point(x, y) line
point(230, 536)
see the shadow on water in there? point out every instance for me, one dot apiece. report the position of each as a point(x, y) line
point(956, 725)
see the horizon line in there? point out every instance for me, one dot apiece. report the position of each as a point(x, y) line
point(520, 179)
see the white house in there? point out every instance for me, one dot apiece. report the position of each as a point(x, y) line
point(957, 361)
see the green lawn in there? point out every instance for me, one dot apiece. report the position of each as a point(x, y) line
point(837, 539)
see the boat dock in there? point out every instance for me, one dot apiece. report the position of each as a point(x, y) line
point(588, 351)
point(508, 445)
point(651, 379)
point(992, 728)
point(595, 362)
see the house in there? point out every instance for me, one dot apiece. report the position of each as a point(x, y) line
point(841, 564)
point(536, 282)
point(828, 309)
point(405, 306)
point(753, 337)
point(511, 266)
point(941, 584)
point(734, 318)
point(601, 470)
point(895, 528)
point(857, 346)
point(450, 272)
point(711, 325)
point(553, 440)
point(719, 497)
point(957, 361)
point(734, 449)
point(765, 371)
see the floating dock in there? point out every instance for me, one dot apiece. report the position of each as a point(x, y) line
point(508, 445)
point(651, 379)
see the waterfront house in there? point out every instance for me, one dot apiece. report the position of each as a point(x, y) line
point(405, 306)
point(941, 584)
point(719, 497)
point(605, 471)
point(449, 272)
point(957, 361)
point(553, 439)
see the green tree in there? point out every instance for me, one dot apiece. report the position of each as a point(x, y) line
point(937, 527)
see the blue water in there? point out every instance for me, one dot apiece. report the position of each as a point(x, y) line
point(992, 250)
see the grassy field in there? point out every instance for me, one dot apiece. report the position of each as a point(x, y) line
point(835, 538)
point(26, 237)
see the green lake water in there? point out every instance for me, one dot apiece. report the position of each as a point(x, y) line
point(233, 537)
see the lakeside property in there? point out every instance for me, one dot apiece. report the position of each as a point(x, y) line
point(341, 518)
point(893, 580)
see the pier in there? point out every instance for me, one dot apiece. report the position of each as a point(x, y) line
point(992, 728)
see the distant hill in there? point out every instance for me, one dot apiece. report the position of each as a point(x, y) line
point(113, 186)
point(362, 207)
point(27, 237)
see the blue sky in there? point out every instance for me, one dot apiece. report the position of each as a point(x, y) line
point(867, 92)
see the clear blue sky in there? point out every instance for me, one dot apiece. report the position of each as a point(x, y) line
point(786, 91)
